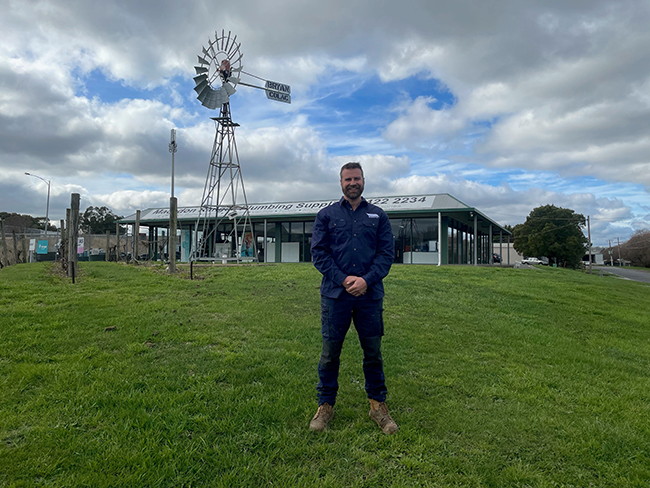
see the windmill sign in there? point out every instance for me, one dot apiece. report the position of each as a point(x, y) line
point(278, 91)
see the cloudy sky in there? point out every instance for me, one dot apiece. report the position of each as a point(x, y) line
point(506, 105)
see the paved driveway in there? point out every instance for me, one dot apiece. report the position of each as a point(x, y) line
point(630, 274)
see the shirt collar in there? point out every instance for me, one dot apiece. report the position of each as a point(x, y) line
point(344, 202)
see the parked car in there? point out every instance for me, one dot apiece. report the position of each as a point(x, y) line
point(532, 261)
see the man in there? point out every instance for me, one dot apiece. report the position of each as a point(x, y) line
point(352, 246)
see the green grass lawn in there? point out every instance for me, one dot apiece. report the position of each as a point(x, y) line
point(497, 377)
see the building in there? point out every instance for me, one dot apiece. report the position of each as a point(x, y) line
point(428, 229)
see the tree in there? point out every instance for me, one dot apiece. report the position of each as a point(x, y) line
point(97, 220)
point(553, 232)
point(637, 248)
point(22, 222)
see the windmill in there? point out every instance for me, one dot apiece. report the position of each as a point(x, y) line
point(223, 228)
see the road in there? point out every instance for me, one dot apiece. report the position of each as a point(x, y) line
point(630, 274)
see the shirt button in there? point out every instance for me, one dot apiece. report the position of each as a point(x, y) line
point(355, 235)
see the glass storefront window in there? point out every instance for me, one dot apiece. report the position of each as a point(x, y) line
point(416, 240)
point(402, 233)
point(425, 235)
point(309, 229)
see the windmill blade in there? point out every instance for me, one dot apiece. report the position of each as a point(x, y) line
point(236, 69)
point(205, 94)
point(208, 98)
point(202, 92)
point(203, 61)
point(201, 69)
point(222, 97)
point(199, 88)
point(200, 78)
point(209, 49)
point(229, 89)
point(215, 99)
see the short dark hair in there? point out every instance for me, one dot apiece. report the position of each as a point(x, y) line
point(352, 165)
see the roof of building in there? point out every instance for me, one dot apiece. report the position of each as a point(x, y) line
point(392, 205)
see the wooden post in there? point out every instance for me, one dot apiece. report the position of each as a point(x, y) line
point(136, 235)
point(73, 233)
point(171, 242)
point(162, 247)
point(15, 246)
point(117, 244)
point(68, 250)
point(62, 239)
point(4, 244)
point(589, 237)
point(155, 243)
point(24, 243)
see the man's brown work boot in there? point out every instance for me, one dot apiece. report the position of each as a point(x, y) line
point(379, 413)
point(324, 414)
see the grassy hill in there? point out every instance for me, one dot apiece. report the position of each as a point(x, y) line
point(497, 377)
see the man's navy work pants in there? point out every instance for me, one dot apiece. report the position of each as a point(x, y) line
point(336, 316)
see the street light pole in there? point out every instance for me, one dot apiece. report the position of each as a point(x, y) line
point(47, 208)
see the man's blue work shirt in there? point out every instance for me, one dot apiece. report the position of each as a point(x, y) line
point(348, 242)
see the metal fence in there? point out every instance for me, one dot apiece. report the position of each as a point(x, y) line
point(33, 245)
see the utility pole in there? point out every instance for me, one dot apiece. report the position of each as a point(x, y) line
point(620, 262)
point(611, 254)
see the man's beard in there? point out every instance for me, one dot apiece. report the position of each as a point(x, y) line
point(353, 191)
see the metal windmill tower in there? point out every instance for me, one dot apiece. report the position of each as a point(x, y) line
point(223, 228)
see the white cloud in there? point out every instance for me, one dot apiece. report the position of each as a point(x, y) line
point(129, 201)
point(423, 126)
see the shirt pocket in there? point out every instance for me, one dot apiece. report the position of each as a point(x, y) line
point(369, 227)
point(337, 225)
point(339, 231)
